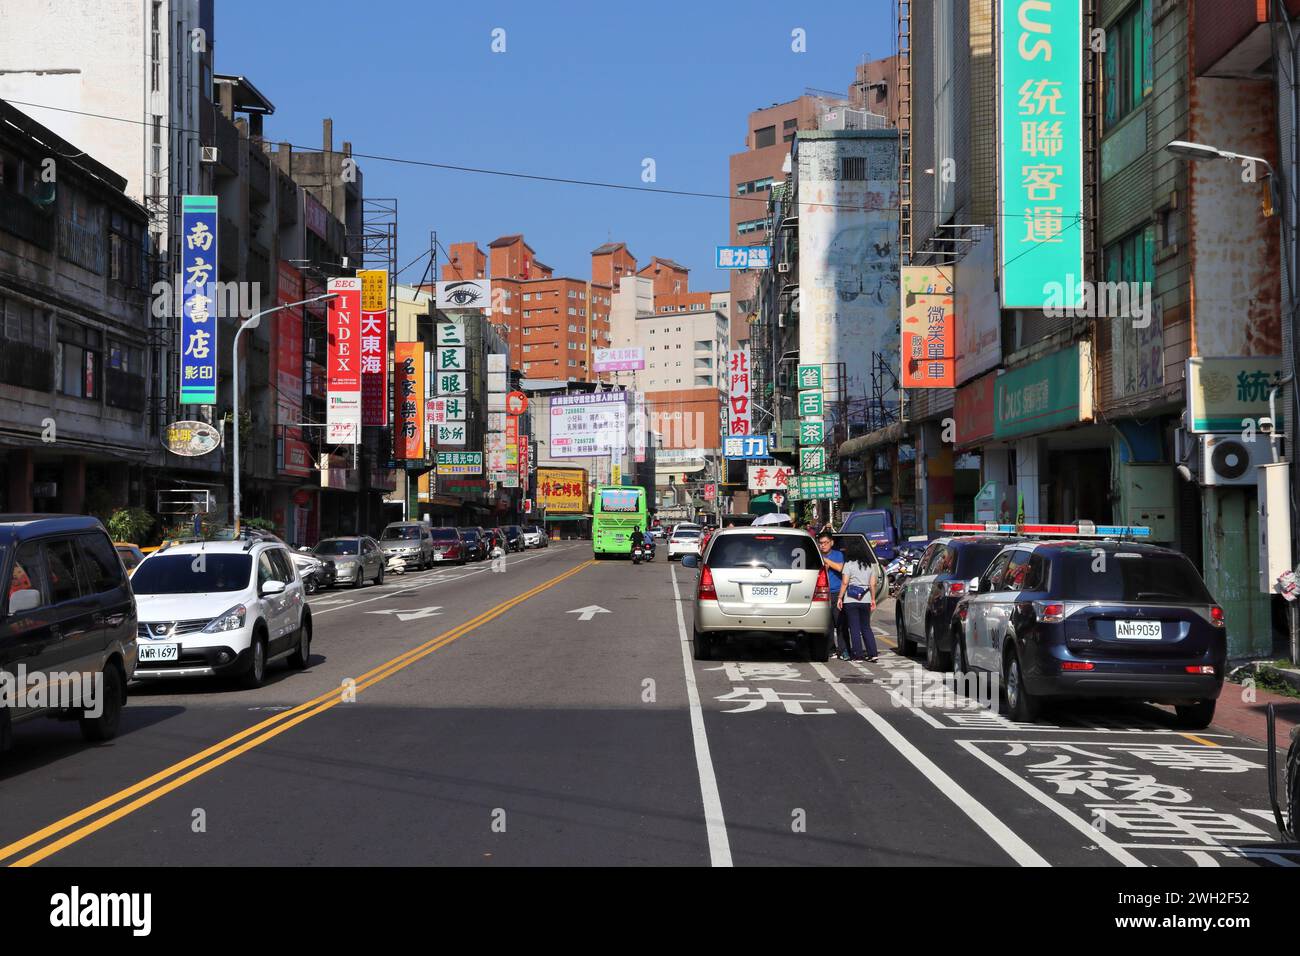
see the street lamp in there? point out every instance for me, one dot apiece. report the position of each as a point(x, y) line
point(252, 322)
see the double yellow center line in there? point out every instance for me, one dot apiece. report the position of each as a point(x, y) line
point(191, 768)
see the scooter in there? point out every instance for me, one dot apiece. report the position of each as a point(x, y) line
point(638, 552)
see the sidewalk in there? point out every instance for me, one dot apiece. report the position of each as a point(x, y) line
point(1249, 720)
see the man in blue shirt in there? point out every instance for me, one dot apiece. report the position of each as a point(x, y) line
point(833, 559)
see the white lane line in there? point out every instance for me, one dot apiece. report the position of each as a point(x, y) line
point(997, 831)
point(714, 823)
point(423, 584)
point(1093, 834)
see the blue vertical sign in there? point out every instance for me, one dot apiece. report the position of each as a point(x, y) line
point(198, 300)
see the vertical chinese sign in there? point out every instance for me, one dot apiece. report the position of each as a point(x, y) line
point(451, 382)
point(286, 373)
point(198, 297)
point(408, 382)
point(739, 415)
point(343, 375)
point(929, 357)
point(1040, 152)
point(374, 346)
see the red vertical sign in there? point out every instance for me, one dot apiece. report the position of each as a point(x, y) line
point(343, 363)
point(374, 346)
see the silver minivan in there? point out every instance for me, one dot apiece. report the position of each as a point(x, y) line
point(409, 540)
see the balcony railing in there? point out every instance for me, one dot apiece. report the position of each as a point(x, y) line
point(21, 217)
point(82, 245)
point(26, 366)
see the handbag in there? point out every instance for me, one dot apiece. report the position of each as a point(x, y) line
point(855, 592)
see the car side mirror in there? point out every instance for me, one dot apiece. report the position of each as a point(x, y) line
point(28, 599)
point(690, 561)
point(272, 587)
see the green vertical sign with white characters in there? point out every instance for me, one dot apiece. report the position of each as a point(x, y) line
point(810, 404)
point(1040, 152)
point(810, 376)
point(812, 460)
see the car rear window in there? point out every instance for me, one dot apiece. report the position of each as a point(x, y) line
point(787, 552)
point(401, 533)
point(1160, 578)
point(686, 533)
point(469, 535)
point(974, 559)
point(865, 524)
point(336, 547)
point(186, 574)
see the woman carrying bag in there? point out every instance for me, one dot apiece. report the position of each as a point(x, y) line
point(858, 597)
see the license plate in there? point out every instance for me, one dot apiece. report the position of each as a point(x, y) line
point(759, 593)
point(1138, 630)
point(437, 555)
point(160, 652)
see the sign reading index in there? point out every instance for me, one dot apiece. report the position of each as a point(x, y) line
point(1040, 152)
point(198, 298)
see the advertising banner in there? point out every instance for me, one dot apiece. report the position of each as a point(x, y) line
point(812, 487)
point(743, 257)
point(451, 334)
point(562, 490)
point(450, 433)
point(739, 414)
point(459, 463)
point(1053, 391)
point(770, 477)
point(408, 381)
point(374, 346)
point(1222, 393)
point(342, 363)
point(745, 446)
point(585, 425)
point(449, 358)
point(464, 294)
point(618, 360)
point(1040, 152)
point(929, 357)
point(286, 366)
point(198, 298)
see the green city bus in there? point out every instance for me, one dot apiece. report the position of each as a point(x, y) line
point(615, 513)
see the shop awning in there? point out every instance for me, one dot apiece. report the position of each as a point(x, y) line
point(550, 518)
point(889, 435)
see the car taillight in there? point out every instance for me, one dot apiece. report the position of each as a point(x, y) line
point(1049, 612)
point(822, 589)
point(954, 588)
point(1200, 668)
point(1076, 665)
point(1216, 616)
point(706, 592)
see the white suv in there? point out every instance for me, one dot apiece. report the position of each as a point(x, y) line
point(220, 607)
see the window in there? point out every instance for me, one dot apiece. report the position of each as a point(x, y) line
point(703, 345)
point(29, 572)
point(61, 561)
point(79, 361)
point(1132, 258)
point(853, 168)
point(764, 137)
point(1127, 63)
point(20, 322)
point(790, 124)
point(997, 571)
point(751, 225)
point(100, 563)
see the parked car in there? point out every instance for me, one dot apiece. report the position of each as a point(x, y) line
point(475, 543)
point(513, 536)
point(130, 554)
point(68, 609)
point(878, 525)
point(684, 541)
point(929, 596)
point(768, 581)
point(410, 541)
point(534, 537)
point(356, 558)
point(212, 608)
point(1095, 618)
point(447, 546)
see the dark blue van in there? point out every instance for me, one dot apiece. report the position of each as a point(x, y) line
point(878, 525)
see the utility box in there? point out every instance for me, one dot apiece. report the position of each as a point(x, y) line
point(1274, 524)
point(1149, 497)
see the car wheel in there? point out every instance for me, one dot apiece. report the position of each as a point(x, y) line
point(302, 653)
point(703, 646)
point(1195, 716)
point(379, 577)
point(360, 578)
point(309, 584)
point(906, 646)
point(1291, 797)
point(255, 674)
point(1022, 706)
point(935, 659)
point(958, 654)
point(104, 727)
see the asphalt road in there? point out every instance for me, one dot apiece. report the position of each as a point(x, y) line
point(463, 716)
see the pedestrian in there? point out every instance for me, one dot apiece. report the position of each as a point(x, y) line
point(833, 560)
point(857, 598)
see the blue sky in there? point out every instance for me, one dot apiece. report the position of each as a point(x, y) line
point(583, 91)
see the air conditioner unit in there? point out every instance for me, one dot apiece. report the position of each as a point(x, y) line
point(783, 267)
point(211, 154)
point(1230, 460)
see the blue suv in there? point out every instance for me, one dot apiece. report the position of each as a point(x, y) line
point(1100, 618)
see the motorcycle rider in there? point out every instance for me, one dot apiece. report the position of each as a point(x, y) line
point(638, 539)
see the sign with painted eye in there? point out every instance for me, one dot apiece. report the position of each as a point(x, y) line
point(464, 294)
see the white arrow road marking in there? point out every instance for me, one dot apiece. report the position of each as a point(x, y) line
point(588, 612)
point(410, 614)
